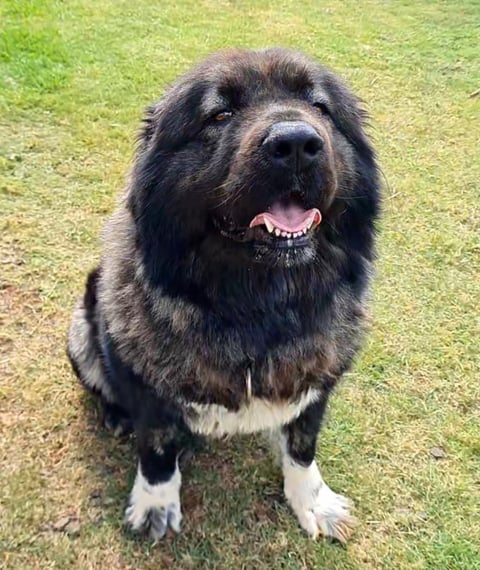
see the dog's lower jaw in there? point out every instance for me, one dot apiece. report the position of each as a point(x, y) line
point(319, 510)
point(154, 508)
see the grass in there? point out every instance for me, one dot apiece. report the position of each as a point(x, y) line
point(74, 77)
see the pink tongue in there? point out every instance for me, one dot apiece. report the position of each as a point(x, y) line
point(288, 217)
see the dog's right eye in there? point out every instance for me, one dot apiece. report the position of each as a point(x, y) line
point(222, 116)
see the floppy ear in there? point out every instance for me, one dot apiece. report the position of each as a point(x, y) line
point(147, 129)
point(347, 114)
point(176, 115)
point(149, 123)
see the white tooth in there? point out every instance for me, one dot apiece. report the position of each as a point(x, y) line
point(277, 232)
point(309, 223)
point(269, 226)
point(284, 234)
point(289, 235)
point(304, 231)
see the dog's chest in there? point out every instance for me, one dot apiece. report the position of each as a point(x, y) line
point(258, 415)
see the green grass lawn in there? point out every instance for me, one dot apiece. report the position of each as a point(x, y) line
point(74, 77)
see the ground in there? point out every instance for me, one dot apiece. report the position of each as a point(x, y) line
point(403, 432)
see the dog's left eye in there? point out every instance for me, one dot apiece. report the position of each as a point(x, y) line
point(222, 116)
point(321, 107)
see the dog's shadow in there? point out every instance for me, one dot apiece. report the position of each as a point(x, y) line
point(229, 486)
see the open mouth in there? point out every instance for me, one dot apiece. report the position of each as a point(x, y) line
point(286, 223)
point(287, 220)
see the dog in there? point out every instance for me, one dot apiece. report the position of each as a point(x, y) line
point(232, 288)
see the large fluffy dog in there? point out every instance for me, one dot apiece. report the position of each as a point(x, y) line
point(230, 295)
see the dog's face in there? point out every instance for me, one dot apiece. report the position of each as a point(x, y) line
point(250, 158)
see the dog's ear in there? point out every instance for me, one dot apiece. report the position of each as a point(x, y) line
point(347, 113)
point(148, 127)
point(149, 124)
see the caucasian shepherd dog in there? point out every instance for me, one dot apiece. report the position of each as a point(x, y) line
point(230, 294)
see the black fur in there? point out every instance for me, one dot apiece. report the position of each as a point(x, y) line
point(302, 433)
point(188, 299)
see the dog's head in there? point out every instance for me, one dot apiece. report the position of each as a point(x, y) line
point(254, 158)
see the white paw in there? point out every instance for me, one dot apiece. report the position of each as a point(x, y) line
point(155, 508)
point(319, 510)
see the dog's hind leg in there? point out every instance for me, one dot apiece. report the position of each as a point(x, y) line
point(85, 355)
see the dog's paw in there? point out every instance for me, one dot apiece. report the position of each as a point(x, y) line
point(154, 509)
point(319, 510)
point(155, 521)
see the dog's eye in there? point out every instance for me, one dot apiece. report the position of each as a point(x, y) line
point(222, 116)
point(321, 107)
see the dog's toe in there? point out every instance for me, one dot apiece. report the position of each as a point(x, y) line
point(332, 514)
point(155, 522)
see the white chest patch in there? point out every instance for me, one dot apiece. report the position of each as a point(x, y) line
point(258, 415)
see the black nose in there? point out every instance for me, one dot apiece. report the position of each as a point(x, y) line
point(293, 144)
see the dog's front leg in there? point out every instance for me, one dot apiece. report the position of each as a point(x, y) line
point(319, 510)
point(154, 504)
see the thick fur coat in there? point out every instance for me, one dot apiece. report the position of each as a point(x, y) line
point(203, 318)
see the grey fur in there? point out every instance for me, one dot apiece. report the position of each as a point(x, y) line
point(83, 350)
point(165, 348)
